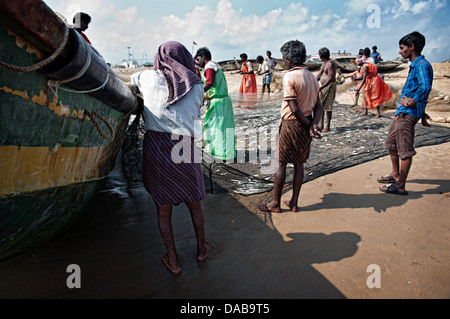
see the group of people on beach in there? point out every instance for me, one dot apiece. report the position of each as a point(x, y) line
point(174, 93)
point(173, 97)
point(247, 89)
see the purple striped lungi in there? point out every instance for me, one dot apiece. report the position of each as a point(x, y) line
point(166, 181)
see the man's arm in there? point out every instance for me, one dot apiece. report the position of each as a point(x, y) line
point(331, 75)
point(317, 114)
point(319, 75)
point(298, 113)
point(210, 75)
point(425, 78)
point(364, 76)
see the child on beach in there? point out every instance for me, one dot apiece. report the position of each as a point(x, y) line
point(340, 78)
point(265, 70)
point(376, 90)
point(247, 90)
point(81, 22)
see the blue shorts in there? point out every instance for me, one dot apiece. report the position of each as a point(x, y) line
point(267, 78)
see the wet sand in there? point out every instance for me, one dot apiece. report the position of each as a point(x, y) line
point(345, 225)
point(323, 251)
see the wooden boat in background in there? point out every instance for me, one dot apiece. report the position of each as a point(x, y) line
point(62, 125)
point(234, 65)
point(348, 64)
point(384, 66)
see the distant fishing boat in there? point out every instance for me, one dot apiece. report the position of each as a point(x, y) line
point(348, 64)
point(234, 65)
point(64, 114)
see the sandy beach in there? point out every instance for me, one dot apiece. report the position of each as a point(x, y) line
point(346, 227)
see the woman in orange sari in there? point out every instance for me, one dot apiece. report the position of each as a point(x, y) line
point(376, 90)
point(247, 90)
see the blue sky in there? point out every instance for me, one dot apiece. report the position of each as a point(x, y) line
point(229, 27)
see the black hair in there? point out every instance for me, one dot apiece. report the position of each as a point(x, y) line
point(324, 53)
point(294, 51)
point(415, 38)
point(204, 51)
point(260, 58)
point(243, 55)
point(367, 52)
point(374, 47)
point(82, 17)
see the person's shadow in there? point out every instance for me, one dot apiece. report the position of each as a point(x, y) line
point(118, 247)
point(379, 201)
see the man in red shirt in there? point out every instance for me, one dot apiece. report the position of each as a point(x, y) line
point(81, 22)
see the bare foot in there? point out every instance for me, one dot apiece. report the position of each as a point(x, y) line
point(425, 120)
point(269, 208)
point(202, 256)
point(294, 208)
point(175, 268)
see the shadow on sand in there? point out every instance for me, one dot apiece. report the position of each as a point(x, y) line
point(377, 200)
point(117, 245)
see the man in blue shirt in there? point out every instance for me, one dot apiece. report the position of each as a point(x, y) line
point(410, 108)
point(375, 55)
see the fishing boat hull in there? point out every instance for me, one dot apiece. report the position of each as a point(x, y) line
point(233, 65)
point(348, 64)
point(58, 143)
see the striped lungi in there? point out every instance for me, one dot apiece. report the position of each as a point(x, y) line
point(294, 142)
point(171, 181)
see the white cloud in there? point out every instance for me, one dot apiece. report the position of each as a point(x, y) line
point(420, 7)
point(238, 27)
point(358, 6)
point(228, 30)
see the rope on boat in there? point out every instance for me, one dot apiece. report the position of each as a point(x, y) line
point(57, 83)
point(92, 115)
point(44, 62)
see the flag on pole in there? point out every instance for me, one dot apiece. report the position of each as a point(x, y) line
point(193, 42)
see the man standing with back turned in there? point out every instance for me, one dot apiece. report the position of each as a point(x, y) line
point(300, 112)
point(410, 108)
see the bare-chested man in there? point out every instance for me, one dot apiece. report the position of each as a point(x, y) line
point(327, 89)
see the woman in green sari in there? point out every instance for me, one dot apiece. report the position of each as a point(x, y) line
point(218, 125)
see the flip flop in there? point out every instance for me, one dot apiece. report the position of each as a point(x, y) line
point(391, 189)
point(264, 208)
point(388, 179)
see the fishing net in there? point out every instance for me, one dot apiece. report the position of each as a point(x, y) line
point(132, 147)
point(352, 141)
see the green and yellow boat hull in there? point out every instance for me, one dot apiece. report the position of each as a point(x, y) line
point(56, 147)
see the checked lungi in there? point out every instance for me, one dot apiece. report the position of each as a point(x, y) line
point(294, 142)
